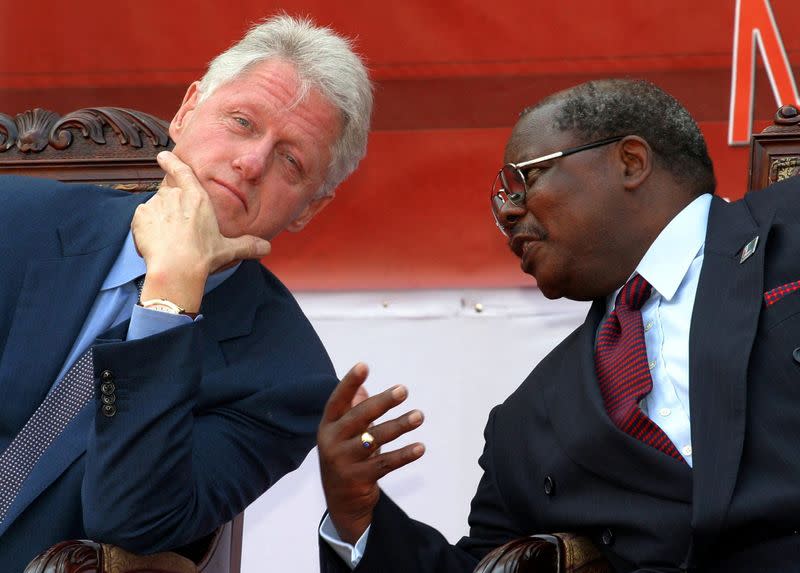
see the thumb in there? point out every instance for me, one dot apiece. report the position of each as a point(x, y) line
point(244, 247)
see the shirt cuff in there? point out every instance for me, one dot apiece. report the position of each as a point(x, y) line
point(147, 322)
point(351, 554)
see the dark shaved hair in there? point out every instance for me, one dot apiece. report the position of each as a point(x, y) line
point(605, 108)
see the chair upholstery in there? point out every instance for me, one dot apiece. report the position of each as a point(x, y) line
point(111, 147)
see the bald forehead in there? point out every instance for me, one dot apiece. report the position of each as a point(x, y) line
point(534, 131)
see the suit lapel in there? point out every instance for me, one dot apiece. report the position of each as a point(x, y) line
point(55, 299)
point(34, 355)
point(590, 438)
point(724, 322)
point(60, 292)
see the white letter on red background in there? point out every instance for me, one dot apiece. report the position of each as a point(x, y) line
point(755, 26)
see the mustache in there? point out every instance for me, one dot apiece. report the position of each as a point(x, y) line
point(524, 233)
point(528, 229)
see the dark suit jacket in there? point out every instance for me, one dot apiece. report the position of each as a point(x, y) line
point(209, 415)
point(735, 510)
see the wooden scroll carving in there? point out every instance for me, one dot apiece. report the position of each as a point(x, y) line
point(33, 130)
point(104, 145)
point(776, 150)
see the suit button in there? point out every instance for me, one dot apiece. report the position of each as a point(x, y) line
point(607, 537)
point(549, 486)
point(109, 410)
point(106, 376)
point(796, 355)
point(107, 388)
point(108, 398)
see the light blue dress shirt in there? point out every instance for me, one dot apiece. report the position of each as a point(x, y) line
point(672, 266)
point(116, 303)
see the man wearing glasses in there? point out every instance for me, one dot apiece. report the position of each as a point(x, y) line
point(608, 195)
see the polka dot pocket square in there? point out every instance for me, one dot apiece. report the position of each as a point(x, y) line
point(776, 294)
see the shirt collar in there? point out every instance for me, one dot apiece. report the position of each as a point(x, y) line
point(130, 265)
point(668, 259)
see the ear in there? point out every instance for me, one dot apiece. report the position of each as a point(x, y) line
point(636, 156)
point(314, 207)
point(190, 101)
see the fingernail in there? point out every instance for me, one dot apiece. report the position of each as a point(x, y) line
point(418, 450)
point(399, 392)
point(415, 418)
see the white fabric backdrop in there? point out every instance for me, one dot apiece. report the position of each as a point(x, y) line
point(457, 359)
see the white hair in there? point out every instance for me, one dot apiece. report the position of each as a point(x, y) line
point(323, 60)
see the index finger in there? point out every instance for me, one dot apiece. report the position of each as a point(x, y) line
point(342, 396)
point(181, 174)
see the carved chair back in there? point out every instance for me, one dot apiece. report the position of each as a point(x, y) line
point(102, 145)
point(775, 152)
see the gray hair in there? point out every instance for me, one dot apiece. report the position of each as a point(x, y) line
point(323, 60)
point(605, 108)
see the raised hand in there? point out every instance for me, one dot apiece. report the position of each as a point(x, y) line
point(350, 471)
point(177, 234)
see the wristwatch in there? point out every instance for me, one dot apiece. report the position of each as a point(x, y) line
point(164, 305)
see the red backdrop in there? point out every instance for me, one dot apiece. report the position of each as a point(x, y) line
point(451, 77)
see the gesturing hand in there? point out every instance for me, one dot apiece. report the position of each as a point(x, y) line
point(350, 471)
point(177, 234)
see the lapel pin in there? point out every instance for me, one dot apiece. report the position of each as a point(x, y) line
point(749, 249)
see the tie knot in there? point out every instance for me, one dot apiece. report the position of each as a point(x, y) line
point(634, 293)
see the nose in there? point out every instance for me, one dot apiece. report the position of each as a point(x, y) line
point(508, 215)
point(254, 160)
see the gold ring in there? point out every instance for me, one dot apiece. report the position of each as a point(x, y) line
point(367, 439)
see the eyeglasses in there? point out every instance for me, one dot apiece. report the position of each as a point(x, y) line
point(510, 184)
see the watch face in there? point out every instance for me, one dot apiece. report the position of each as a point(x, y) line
point(163, 308)
point(162, 305)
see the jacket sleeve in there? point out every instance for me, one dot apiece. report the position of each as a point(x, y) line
point(191, 445)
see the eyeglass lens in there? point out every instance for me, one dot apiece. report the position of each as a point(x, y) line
point(508, 186)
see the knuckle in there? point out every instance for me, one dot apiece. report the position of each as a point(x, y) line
point(382, 465)
point(250, 247)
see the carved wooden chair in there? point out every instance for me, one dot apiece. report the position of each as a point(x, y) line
point(775, 152)
point(112, 147)
point(775, 155)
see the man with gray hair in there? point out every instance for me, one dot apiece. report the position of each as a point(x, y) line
point(176, 378)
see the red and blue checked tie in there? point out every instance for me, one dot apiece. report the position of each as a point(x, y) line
point(622, 369)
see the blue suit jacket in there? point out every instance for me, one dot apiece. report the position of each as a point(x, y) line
point(209, 415)
point(736, 510)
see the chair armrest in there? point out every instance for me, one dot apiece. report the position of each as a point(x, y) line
point(218, 552)
point(84, 556)
point(556, 553)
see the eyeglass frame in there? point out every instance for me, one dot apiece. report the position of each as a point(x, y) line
point(530, 162)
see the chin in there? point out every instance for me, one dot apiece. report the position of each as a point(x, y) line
point(550, 293)
point(547, 288)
